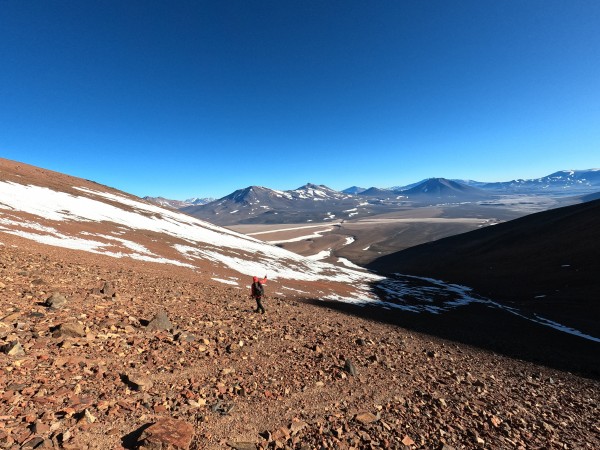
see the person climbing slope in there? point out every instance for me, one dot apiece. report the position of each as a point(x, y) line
point(257, 291)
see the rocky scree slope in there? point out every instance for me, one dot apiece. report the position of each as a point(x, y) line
point(95, 351)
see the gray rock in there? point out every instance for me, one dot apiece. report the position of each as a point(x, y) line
point(350, 367)
point(184, 336)
point(160, 322)
point(56, 301)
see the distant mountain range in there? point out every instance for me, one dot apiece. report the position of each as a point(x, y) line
point(257, 204)
point(308, 203)
point(178, 204)
point(563, 181)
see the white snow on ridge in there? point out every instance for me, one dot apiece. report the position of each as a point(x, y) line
point(315, 234)
point(321, 255)
point(221, 280)
point(59, 206)
point(279, 230)
point(350, 264)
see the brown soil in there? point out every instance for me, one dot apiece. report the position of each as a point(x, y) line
point(253, 381)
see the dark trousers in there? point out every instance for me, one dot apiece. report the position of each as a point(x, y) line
point(259, 305)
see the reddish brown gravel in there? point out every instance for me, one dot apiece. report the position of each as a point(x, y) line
point(91, 375)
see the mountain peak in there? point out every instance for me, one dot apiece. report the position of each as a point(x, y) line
point(443, 188)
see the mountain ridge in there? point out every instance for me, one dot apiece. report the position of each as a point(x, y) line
point(584, 179)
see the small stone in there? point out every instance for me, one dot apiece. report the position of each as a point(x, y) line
point(184, 336)
point(56, 301)
point(40, 427)
point(11, 317)
point(139, 383)
point(108, 290)
point(13, 349)
point(73, 329)
point(366, 418)
point(297, 425)
point(350, 367)
point(407, 440)
point(89, 416)
point(167, 434)
point(36, 442)
point(160, 322)
point(280, 433)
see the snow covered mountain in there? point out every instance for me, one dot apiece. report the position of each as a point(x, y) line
point(317, 192)
point(566, 182)
point(257, 204)
point(177, 204)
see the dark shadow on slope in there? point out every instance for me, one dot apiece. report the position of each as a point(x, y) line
point(490, 329)
point(544, 265)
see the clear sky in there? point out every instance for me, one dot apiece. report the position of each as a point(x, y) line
point(200, 98)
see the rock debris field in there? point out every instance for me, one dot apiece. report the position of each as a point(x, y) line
point(98, 353)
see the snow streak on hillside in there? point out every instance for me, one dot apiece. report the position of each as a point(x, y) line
point(197, 240)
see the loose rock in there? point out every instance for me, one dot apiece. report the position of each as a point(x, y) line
point(160, 322)
point(56, 301)
point(167, 434)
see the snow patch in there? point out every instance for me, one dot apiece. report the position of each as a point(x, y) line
point(321, 255)
point(220, 280)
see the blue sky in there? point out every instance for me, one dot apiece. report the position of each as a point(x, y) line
point(197, 98)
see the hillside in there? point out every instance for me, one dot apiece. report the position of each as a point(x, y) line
point(542, 265)
point(93, 375)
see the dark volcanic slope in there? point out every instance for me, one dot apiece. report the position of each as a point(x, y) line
point(547, 263)
point(442, 189)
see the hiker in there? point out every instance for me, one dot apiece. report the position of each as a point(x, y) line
point(257, 291)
